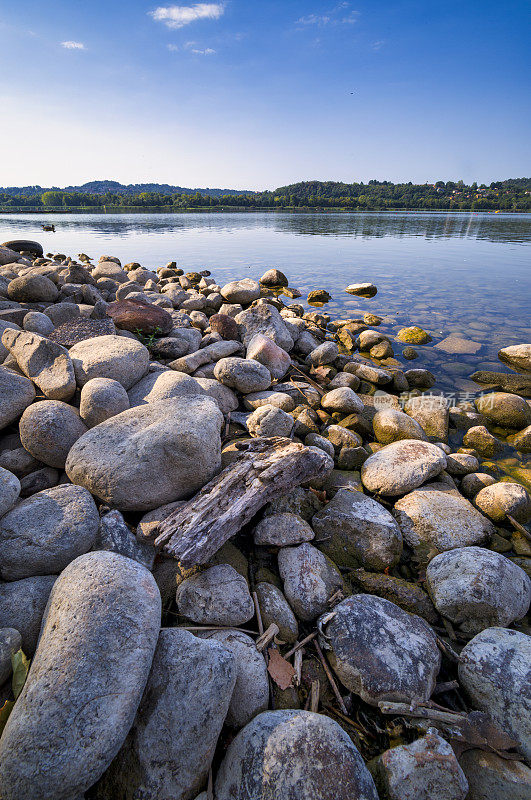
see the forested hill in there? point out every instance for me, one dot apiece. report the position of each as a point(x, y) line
point(513, 194)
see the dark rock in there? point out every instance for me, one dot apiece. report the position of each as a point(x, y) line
point(77, 330)
point(134, 315)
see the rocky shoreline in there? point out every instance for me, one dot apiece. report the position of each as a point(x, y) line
point(244, 555)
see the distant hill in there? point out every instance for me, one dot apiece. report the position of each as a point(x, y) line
point(102, 187)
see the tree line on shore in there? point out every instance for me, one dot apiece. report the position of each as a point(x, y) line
point(509, 195)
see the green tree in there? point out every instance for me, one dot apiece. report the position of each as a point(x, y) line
point(52, 198)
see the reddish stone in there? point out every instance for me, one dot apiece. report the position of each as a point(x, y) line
point(226, 326)
point(134, 315)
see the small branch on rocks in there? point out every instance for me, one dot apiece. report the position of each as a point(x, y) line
point(297, 666)
point(404, 710)
point(520, 528)
point(330, 677)
point(446, 687)
point(269, 467)
point(216, 628)
point(258, 614)
point(301, 644)
point(314, 696)
point(267, 637)
point(447, 650)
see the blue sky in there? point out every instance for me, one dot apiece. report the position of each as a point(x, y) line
point(249, 94)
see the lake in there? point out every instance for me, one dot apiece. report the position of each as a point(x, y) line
point(465, 274)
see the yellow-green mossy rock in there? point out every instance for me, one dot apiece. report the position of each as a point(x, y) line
point(413, 335)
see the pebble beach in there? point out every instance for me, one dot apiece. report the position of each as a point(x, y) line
point(249, 550)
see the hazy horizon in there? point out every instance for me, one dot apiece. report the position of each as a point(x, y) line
point(251, 96)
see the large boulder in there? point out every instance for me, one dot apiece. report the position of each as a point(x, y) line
point(22, 605)
point(517, 356)
point(264, 319)
point(506, 410)
point(140, 317)
point(44, 533)
point(122, 359)
point(495, 670)
point(391, 425)
point(500, 499)
point(32, 288)
point(354, 529)
point(150, 455)
point(243, 291)
point(169, 749)
point(477, 588)
point(440, 518)
point(402, 466)
point(293, 754)
point(16, 394)
point(163, 385)
point(48, 429)
point(47, 364)
point(432, 414)
point(80, 699)
point(381, 652)
point(242, 374)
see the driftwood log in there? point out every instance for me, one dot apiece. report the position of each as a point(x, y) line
point(266, 469)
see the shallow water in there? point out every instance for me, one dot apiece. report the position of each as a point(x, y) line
point(461, 274)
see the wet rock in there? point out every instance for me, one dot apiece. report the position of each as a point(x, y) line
point(244, 375)
point(251, 690)
point(477, 589)
point(479, 438)
point(69, 737)
point(408, 596)
point(522, 440)
point(116, 537)
point(295, 754)
point(500, 499)
point(517, 356)
point(506, 410)
point(150, 455)
point(354, 529)
point(490, 776)
point(460, 464)
point(402, 466)
point(410, 353)
point(47, 364)
point(22, 605)
point(392, 426)
point(9, 491)
point(439, 519)
point(362, 289)
point(420, 378)
point(309, 579)
point(495, 671)
point(137, 316)
point(431, 413)
point(243, 291)
point(32, 288)
point(163, 385)
point(474, 482)
point(102, 398)
point(269, 420)
point(217, 596)
point(48, 429)
point(381, 652)
point(282, 530)
point(10, 643)
point(115, 357)
point(413, 335)
point(187, 693)
point(44, 533)
point(264, 319)
point(319, 296)
point(518, 384)
point(326, 353)
point(261, 348)
point(274, 608)
point(274, 277)
point(422, 770)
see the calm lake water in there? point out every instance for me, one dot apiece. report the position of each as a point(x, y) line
point(461, 274)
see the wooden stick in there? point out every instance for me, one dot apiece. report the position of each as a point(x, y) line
point(314, 696)
point(297, 666)
point(301, 644)
point(445, 687)
point(403, 710)
point(349, 720)
point(330, 677)
point(448, 651)
point(216, 628)
point(449, 629)
point(519, 528)
point(267, 637)
point(195, 531)
point(310, 380)
point(258, 614)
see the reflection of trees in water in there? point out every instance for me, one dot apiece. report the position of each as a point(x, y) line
point(490, 227)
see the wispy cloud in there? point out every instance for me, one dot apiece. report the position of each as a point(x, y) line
point(173, 48)
point(378, 44)
point(194, 48)
point(338, 15)
point(73, 45)
point(179, 16)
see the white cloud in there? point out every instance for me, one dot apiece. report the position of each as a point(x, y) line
point(338, 15)
point(179, 16)
point(73, 45)
point(378, 44)
point(208, 51)
point(173, 48)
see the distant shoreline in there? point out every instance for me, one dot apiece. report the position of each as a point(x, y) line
point(246, 209)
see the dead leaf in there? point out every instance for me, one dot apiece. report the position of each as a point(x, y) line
point(21, 666)
point(5, 711)
point(280, 670)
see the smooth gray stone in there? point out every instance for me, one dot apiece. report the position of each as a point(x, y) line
point(22, 605)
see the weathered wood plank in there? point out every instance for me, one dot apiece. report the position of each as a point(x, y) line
point(267, 468)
